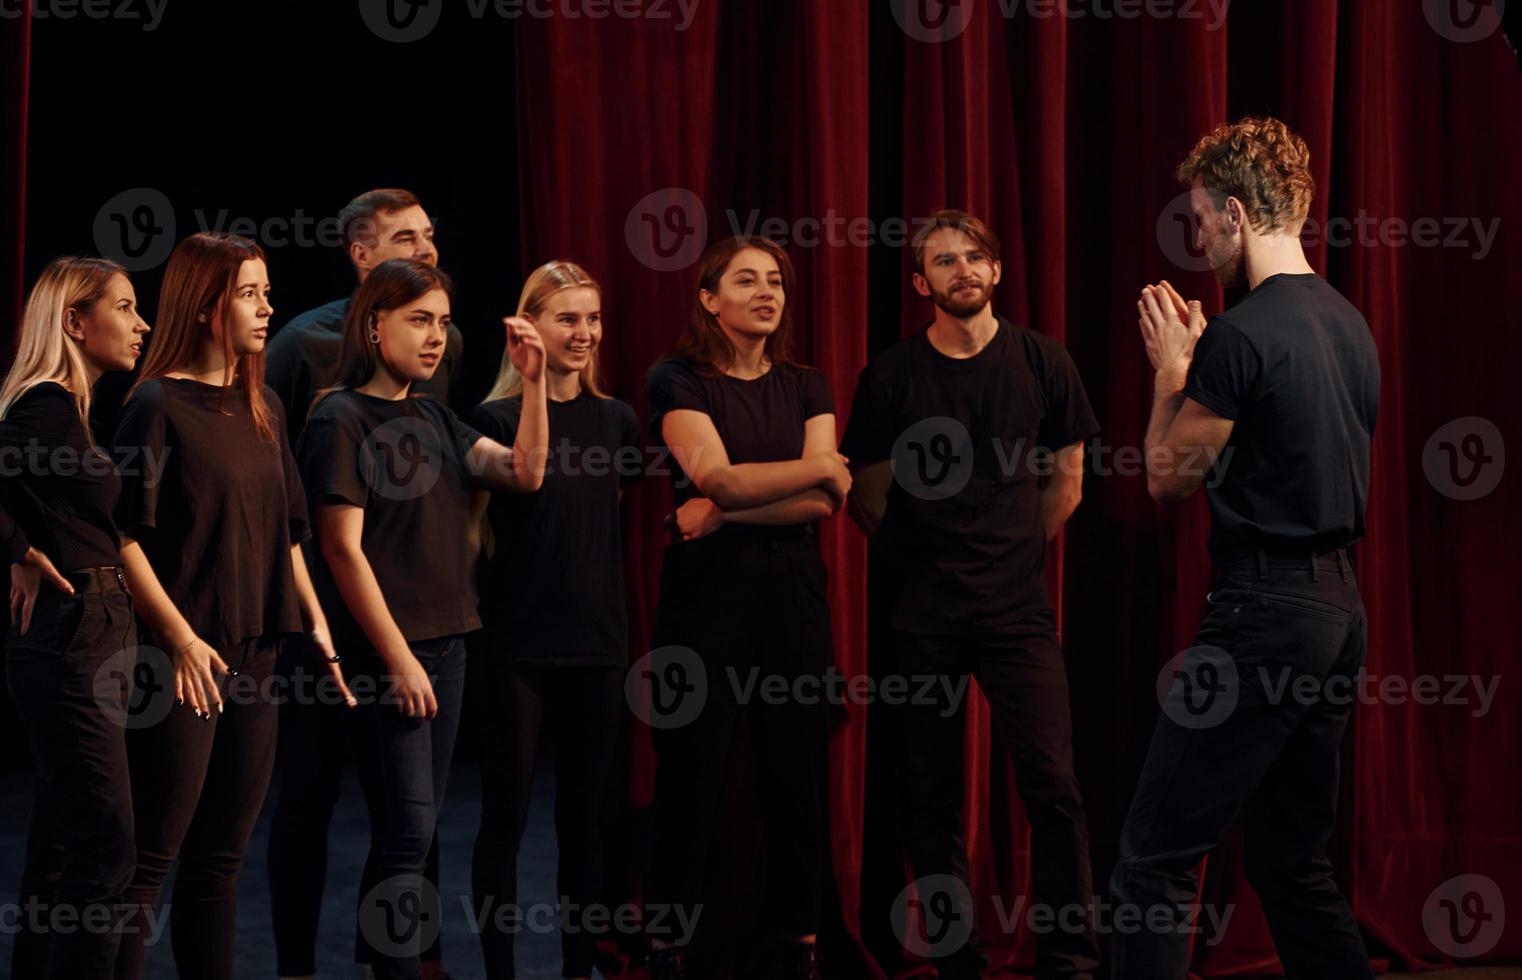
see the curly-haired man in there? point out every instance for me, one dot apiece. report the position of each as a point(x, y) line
point(1284, 386)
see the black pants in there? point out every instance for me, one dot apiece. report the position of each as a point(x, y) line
point(1236, 735)
point(317, 737)
point(741, 604)
point(197, 788)
point(585, 711)
point(69, 678)
point(1024, 677)
point(412, 756)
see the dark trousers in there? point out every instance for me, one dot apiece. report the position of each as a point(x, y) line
point(1025, 680)
point(317, 737)
point(584, 709)
point(197, 787)
point(397, 908)
point(1236, 735)
point(69, 677)
point(754, 604)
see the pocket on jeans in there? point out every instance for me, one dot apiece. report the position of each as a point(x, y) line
point(56, 619)
point(1303, 606)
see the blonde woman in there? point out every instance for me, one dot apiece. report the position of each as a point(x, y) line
point(553, 603)
point(70, 612)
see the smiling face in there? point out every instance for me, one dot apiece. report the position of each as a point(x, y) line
point(959, 274)
point(1219, 234)
point(411, 338)
point(404, 234)
point(110, 333)
point(750, 297)
point(570, 324)
point(245, 317)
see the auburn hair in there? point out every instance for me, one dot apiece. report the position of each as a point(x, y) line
point(199, 281)
point(970, 225)
point(1261, 163)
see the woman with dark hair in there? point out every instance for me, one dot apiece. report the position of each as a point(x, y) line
point(743, 588)
point(80, 322)
point(212, 550)
point(390, 477)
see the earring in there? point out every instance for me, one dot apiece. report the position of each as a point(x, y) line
point(374, 337)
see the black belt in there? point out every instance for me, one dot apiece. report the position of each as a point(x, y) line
point(97, 578)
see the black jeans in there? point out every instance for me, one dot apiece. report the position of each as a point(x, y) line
point(754, 603)
point(197, 788)
point(316, 732)
point(1024, 677)
point(69, 677)
point(397, 909)
point(585, 711)
point(1252, 722)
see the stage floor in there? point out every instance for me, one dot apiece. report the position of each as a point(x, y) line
point(538, 954)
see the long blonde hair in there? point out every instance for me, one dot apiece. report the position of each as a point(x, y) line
point(544, 282)
point(43, 351)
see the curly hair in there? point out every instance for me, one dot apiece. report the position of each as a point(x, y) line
point(1261, 163)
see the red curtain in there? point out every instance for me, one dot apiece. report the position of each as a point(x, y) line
point(1063, 132)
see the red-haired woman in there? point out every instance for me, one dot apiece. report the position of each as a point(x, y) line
point(212, 550)
point(744, 588)
point(70, 612)
point(391, 478)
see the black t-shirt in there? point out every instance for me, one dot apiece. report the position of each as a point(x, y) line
point(554, 580)
point(215, 506)
point(302, 356)
point(1295, 366)
point(969, 440)
point(57, 490)
point(760, 420)
point(404, 462)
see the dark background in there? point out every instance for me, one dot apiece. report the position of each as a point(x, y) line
point(533, 139)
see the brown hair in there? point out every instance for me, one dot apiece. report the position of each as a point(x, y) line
point(970, 225)
point(199, 279)
point(704, 343)
point(1261, 163)
point(389, 286)
point(356, 222)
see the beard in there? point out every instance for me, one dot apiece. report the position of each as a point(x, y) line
point(1227, 261)
point(963, 308)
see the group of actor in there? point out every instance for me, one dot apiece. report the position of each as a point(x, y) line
point(303, 505)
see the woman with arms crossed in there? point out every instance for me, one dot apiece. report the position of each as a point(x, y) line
point(744, 588)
